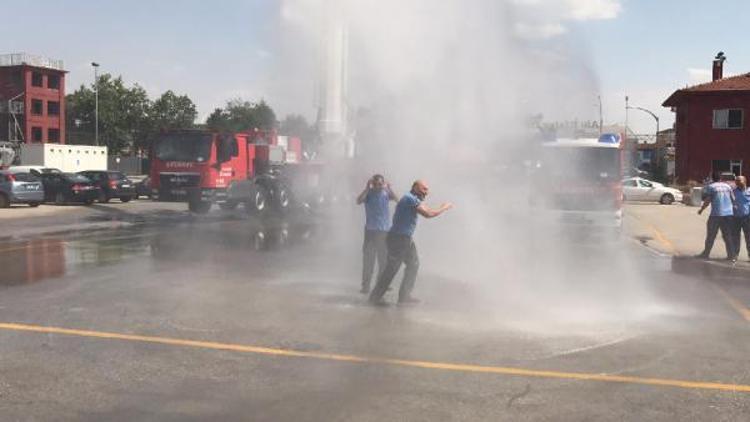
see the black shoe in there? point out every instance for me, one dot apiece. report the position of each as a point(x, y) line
point(379, 303)
point(408, 301)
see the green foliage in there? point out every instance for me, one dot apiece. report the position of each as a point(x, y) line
point(240, 115)
point(128, 119)
point(170, 111)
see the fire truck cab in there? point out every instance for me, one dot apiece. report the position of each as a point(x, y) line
point(577, 184)
point(203, 168)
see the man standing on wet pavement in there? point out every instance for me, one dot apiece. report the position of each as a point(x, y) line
point(741, 216)
point(721, 198)
point(401, 247)
point(376, 196)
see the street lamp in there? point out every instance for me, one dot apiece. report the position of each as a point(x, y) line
point(652, 115)
point(96, 102)
point(656, 139)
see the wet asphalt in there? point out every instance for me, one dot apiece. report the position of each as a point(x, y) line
point(291, 284)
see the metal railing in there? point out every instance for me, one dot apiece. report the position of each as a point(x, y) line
point(16, 107)
point(18, 59)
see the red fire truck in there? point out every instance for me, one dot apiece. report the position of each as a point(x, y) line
point(256, 168)
point(578, 184)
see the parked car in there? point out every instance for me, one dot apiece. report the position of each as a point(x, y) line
point(34, 169)
point(639, 189)
point(111, 184)
point(62, 188)
point(20, 188)
point(143, 188)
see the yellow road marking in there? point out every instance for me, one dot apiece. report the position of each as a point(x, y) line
point(734, 303)
point(661, 238)
point(383, 361)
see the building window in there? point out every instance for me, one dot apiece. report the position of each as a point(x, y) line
point(36, 134)
point(37, 107)
point(53, 135)
point(729, 118)
point(17, 78)
point(727, 166)
point(36, 79)
point(53, 81)
point(53, 108)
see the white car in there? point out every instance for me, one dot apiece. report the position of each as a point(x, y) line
point(639, 189)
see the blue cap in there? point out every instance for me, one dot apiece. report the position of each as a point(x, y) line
point(609, 138)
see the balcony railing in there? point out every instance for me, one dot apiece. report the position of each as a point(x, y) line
point(18, 59)
point(16, 107)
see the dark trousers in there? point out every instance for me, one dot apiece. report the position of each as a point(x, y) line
point(401, 250)
point(373, 249)
point(741, 224)
point(713, 226)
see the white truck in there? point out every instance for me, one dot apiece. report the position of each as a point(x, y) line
point(68, 158)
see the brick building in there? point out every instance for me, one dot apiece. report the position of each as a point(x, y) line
point(32, 99)
point(711, 129)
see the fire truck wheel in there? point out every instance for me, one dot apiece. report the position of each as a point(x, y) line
point(228, 206)
point(281, 199)
point(257, 203)
point(199, 207)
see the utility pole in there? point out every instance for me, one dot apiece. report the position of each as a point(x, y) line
point(627, 107)
point(96, 102)
point(601, 116)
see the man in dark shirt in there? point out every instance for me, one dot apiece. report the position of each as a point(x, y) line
point(376, 196)
point(401, 247)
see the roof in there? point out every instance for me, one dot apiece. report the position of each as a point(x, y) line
point(737, 83)
point(23, 59)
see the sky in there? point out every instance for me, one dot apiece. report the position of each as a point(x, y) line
point(215, 51)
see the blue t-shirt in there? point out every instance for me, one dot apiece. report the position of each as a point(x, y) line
point(742, 197)
point(405, 217)
point(720, 194)
point(376, 210)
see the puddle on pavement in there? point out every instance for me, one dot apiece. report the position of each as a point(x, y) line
point(49, 258)
point(24, 262)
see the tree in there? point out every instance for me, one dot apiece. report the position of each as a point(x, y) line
point(128, 119)
point(170, 111)
point(240, 115)
point(123, 114)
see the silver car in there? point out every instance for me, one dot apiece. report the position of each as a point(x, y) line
point(20, 188)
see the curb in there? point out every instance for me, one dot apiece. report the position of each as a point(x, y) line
point(714, 270)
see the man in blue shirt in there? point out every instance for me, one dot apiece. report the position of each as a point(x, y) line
point(401, 247)
point(376, 196)
point(741, 216)
point(721, 198)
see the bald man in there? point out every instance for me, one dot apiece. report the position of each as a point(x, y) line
point(401, 247)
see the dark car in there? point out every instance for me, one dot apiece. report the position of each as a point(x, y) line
point(111, 184)
point(62, 188)
point(143, 188)
point(20, 188)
